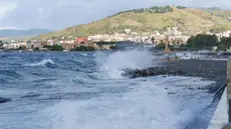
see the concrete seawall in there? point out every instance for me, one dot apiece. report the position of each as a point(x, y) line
point(220, 117)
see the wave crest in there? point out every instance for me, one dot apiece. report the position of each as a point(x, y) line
point(44, 62)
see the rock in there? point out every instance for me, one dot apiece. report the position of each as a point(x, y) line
point(4, 100)
point(154, 71)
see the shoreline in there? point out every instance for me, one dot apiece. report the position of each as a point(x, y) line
point(214, 70)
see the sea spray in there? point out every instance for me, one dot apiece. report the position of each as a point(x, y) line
point(112, 65)
point(146, 105)
point(142, 107)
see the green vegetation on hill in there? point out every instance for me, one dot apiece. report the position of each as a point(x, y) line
point(215, 11)
point(210, 10)
point(191, 20)
point(154, 9)
point(180, 7)
point(222, 13)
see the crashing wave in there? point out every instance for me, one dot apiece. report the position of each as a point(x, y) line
point(148, 101)
point(42, 63)
point(113, 65)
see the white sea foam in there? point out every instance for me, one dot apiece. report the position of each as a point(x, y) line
point(42, 63)
point(112, 65)
point(188, 55)
point(143, 105)
point(84, 54)
point(197, 56)
point(146, 106)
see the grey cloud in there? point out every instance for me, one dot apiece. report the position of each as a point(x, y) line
point(59, 14)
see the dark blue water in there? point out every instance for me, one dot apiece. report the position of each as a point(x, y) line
point(87, 91)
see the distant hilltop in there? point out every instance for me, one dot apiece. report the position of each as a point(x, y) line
point(188, 20)
point(18, 33)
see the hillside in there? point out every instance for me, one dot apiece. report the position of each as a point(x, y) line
point(190, 20)
point(17, 33)
point(218, 12)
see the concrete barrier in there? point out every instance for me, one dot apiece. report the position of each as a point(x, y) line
point(229, 87)
point(222, 115)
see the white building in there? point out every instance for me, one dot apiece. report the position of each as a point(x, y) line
point(15, 45)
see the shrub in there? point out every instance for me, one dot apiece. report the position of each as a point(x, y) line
point(225, 43)
point(47, 46)
point(155, 9)
point(180, 7)
point(56, 48)
point(22, 48)
point(36, 49)
point(84, 48)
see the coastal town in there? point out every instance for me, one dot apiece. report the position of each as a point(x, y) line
point(138, 64)
point(172, 35)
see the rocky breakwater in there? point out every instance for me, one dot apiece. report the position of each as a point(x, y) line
point(214, 70)
point(154, 71)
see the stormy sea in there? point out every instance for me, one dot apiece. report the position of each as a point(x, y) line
point(88, 90)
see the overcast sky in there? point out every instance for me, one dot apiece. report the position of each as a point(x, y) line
point(59, 14)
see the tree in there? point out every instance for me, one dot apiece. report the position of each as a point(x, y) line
point(56, 48)
point(1, 44)
point(180, 7)
point(191, 42)
point(211, 40)
point(84, 48)
point(202, 41)
point(153, 40)
point(21, 48)
point(225, 43)
point(47, 46)
point(36, 49)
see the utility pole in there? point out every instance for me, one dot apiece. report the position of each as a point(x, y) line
point(167, 50)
